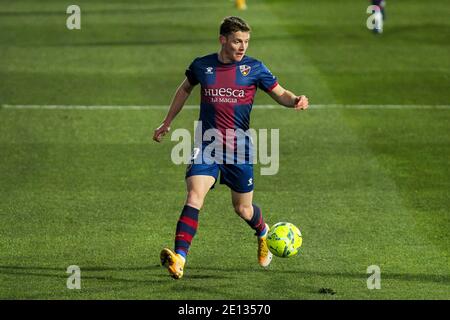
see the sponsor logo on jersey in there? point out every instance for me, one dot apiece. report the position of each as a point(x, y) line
point(245, 69)
point(224, 92)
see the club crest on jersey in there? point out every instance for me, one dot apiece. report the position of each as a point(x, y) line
point(245, 70)
point(209, 70)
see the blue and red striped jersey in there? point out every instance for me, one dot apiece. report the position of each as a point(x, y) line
point(228, 90)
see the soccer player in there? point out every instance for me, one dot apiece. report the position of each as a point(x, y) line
point(228, 80)
point(380, 15)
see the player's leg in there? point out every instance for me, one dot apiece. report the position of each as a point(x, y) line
point(252, 214)
point(239, 178)
point(243, 206)
point(378, 22)
point(197, 188)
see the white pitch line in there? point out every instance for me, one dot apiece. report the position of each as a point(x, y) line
point(379, 106)
point(196, 107)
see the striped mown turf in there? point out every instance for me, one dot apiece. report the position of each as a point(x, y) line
point(363, 173)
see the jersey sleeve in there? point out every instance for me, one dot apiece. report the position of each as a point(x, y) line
point(266, 80)
point(190, 74)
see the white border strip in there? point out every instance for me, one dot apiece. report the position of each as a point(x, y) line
point(196, 107)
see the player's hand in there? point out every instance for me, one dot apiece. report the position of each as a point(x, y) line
point(301, 103)
point(160, 132)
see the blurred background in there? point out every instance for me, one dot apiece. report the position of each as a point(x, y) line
point(135, 52)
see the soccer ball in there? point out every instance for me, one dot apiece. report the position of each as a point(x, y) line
point(284, 239)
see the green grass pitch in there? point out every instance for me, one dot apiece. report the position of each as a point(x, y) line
point(90, 188)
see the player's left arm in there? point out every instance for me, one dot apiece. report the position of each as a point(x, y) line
point(288, 99)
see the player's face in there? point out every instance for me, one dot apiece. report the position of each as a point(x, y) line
point(235, 45)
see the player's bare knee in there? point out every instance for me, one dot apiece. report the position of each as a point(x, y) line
point(243, 210)
point(194, 200)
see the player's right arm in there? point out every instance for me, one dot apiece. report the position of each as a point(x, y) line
point(180, 97)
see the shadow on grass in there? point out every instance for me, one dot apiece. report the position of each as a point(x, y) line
point(308, 273)
point(154, 279)
point(60, 273)
point(155, 271)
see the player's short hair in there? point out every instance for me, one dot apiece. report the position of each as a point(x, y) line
point(233, 24)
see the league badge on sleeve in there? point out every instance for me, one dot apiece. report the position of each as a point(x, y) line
point(245, 70)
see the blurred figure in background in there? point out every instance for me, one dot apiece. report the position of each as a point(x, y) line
point(379, 15)
point(241, 5)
